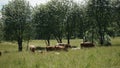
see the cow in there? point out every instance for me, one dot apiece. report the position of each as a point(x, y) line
point(50, 48)
point(87, 44)
point(40, 48)
point(64, 44)
point(32, 48)
point(56, 48)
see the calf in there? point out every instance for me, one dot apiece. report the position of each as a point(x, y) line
point(32, 48)
point(87, 44)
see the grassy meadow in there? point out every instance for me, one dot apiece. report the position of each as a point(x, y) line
point(98, 57)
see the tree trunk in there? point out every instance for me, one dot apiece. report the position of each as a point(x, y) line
point(84, 39)
point(92, 38)
point(101, 38)
point(68, 38)
point(27, 45)
point(118, 24)
point(19, 44)
point(60, 40)
point(68, 41)
point(56, 38)
point(92, 35)
point(48, 42)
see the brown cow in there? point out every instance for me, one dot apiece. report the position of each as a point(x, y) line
point(56, 48)
point(40, 48)
point(50, 48)
point(64, 44)
point(87, 44)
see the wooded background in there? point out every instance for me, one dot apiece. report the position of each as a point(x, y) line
point(96, 21)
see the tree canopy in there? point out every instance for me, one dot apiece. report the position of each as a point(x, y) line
point(16, 16)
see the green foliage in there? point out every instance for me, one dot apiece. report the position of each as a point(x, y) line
point(116, 13)
point(58, 11)
point(72, 17)
point(99, 15)
point(57, 19)
point(1, 30)
point(16, 16)
point(42, 19)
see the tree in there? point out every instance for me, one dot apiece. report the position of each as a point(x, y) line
point(57, 17)
point(42, 18)
point(91, 31)
point(100, 16)
point(51, 20)
point(116, 16)
point(1, 30)
point(16, 15)
point(71, 18)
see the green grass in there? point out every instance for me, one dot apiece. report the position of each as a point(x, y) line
point(98, 57)
point(75, 42)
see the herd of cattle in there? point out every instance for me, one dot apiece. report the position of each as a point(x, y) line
point(60, 46)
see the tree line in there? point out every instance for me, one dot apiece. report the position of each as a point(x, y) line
point(96, 21)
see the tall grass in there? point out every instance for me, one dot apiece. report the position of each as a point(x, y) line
point(98, 57)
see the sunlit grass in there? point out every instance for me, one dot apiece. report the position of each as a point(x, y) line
point(73, 42)
point(116, 41)
point(98, 57)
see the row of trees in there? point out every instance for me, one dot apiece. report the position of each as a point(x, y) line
point(95, 21)
point(57, 19)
